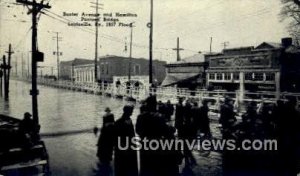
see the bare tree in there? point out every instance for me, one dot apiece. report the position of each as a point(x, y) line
point(291, 11)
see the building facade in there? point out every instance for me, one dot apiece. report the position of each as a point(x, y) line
point(116, 66)
point(84, 73)
point(263, 68)
point(67, 67)
point(110, 66)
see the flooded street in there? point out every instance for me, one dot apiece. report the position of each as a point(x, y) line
point(63, 111)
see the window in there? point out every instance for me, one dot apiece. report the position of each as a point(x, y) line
point(270, 76)
point(137, 69)
point(236, 76)
point(107, 68)
point(219, 76)
point(227, 76)
point(258, 76)
point(102, 68)
point(249, 76)
point(212, 76)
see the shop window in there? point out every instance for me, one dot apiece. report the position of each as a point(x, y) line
point(258, 76)
point(227, 76)
point(249, 76)
point(212, 76)
point(236, 76)
point(270, 76)
point(219, 76)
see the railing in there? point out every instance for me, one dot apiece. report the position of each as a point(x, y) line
point(167, 93)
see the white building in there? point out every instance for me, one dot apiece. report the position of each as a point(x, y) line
point(84, 73)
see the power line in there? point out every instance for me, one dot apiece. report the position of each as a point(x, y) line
point(216, 24)
point(106, 36)
point(22, 40)
point(187, 15)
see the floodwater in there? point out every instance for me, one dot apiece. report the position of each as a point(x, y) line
point(66, 111)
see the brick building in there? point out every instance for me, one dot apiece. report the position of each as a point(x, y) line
point(110, 66)
point(116, 66)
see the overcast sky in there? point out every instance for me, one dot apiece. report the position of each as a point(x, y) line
point(239, 22)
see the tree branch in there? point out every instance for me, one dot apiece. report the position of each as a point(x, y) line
point(297, 2)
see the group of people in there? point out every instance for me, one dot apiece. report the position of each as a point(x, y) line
point(153, 123)
point(278, 122)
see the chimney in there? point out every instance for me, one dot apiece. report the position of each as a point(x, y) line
point(286, 42)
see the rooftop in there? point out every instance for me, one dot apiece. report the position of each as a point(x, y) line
point(197, 58)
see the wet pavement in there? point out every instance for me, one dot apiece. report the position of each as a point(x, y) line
point(66, 111)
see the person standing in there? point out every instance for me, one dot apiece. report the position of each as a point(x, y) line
point(125, 159)
point(179, 117)
point(227, 118)
point(169, 110)
point(188, 134)
point(151, 125)
point(106, 138)
point(204, 120)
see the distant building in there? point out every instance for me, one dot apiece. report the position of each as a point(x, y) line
point(116, 66)
point(84, 73)
point(187, 73)
point(67, 67)
point(268, 67)
point(111, 66)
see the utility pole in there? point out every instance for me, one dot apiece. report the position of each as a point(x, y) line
point(96, 44)
point(225, 44)
point(1, 75)
point(5, 67)
point(9, 52)
point(36, 55)
point(178, 49)
point(57, 38)
point(130, 53)
point(150, 25)
point(96, 39)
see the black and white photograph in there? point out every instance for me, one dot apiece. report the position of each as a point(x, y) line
point(150, 87)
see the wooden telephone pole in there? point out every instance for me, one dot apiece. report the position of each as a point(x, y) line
point(1, 75)
point(130, 53)
point(5, 67)
point(96, 39)
point(178, 49)
point(36, 55)
point(150, 25)
point(6, 72)
point(57, 38)
point(225, 44)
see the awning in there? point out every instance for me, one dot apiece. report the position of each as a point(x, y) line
point(174, 78)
